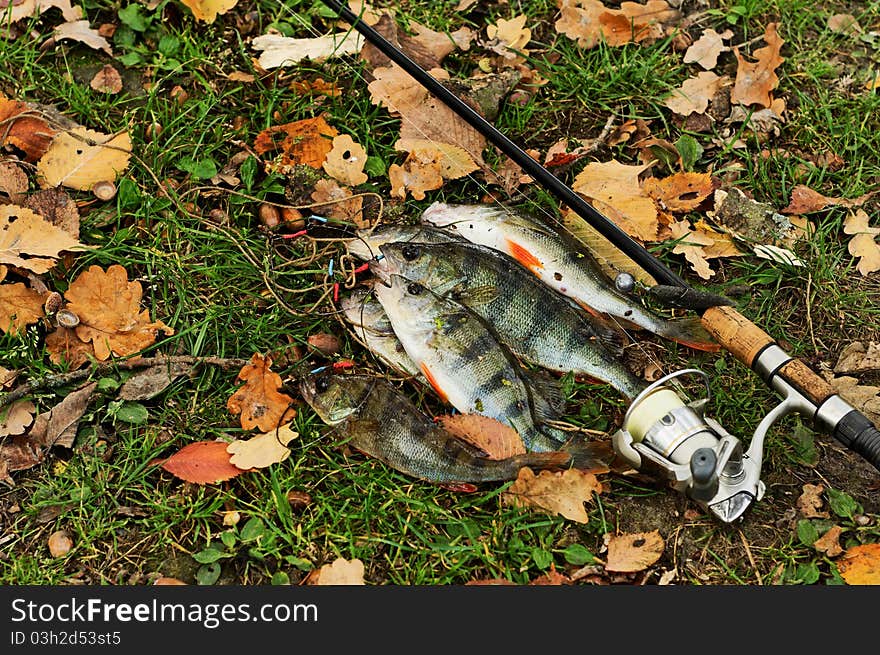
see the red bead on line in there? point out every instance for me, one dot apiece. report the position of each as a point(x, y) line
point(362, 268)
point(295, 235)
point(344, 363)
point(336, 292)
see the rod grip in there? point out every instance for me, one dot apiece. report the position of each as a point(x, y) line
point(859, 434)
point(736, 334)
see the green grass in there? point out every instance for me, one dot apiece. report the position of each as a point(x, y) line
point(131, 522)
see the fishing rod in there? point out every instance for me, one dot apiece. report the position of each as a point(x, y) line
point(661, 432)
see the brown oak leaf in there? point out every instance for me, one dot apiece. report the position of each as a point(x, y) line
point(810, 502)
point(694, 94)
point(110, 316)
point(345, 161)
point(28, 241)
point(493, 437)
point(259, 400)
point(15, 418)
point(304, 142)
point(616, 186)
point(863, 245)
point(629, 553)
point(756, 80)
point(107, 80)
point(19, 306)
point(339, 202)
point(22, 127)
point(681, 192)
point(829, 543)
point(555, 492)
point(65, 347)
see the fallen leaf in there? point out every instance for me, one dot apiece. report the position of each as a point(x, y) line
point(64, 346)
point(259, 400)
point(302, 142)
point(18, 454)
point(340, 572)
point(694, 94)
point(58, 426)
point(810, 502)
point(691, 244)
point(419, 173)
point(324, 343)
point(496, 439)
point(19, 306)
point(630, 553)
point(617, 186)
point(152, 381)
point(426, 47)
point(552, 577)
point(829, 543)
point(345, 161)
point(240, 76)
point(555, 492)
point(262, 450)
point(79, 158)
point(23, 127)
point(315, 87)
point(453, 162)
point(79, 30)
point(16, 418)
point(59, 543)
point(509, 38)
point(858, 358)
point(13, 180)
point(107, 80)
point(286, 51)
point(805, 200)
point(202, 462)
point(110, 317)
point(844, 24)
point(863, 245)
point(168, 581)
point(705, 50)
point(28, 241)
point(28, 8)
point(755, 80)
point(681, 192)
point(862, 397)
point(339, 202)
point(56, 207)
point(589, 21)
point(7, 377)
point(208, 10)
point(860, 565)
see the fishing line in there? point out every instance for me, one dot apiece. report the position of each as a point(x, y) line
point(553, 220)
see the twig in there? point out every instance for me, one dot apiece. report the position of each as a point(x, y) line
point(61, 379)
point(751, 559)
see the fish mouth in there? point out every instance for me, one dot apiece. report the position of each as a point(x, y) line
point(382, 269)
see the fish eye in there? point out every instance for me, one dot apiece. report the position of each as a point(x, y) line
point(410, 252)
point(415, 289)
point(322, 384)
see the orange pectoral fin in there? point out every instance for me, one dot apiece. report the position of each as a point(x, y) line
point(433, 382)
point(523, 256)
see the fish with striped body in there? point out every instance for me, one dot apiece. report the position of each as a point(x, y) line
point(465, 364)
point(561, 262)
point(380, 421)
point(538, 325)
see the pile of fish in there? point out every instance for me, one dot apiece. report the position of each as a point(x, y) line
point(460, 302)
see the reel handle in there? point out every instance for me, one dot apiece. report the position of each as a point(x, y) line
point(760, 352)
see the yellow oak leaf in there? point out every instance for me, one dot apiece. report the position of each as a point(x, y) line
point(109, 312)
point(29, 241)
point(259, 400)
point(19, 306)
point(630, 553)
point(262, 450)
point(863, 245)
point(208, 10)
point(79, 158)
point(617, 186)
point(555, 492)
point(345, 161)
point(860, 565)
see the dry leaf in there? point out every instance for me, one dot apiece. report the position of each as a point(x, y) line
point(13, 180)
point(630, 553)
point(19, 306)
point(80, 158)
point(681, 192)
point(555, 492)
point(509, 38)
point(15, 418)
point(420, 172)
point(28, 241)
point(168, 581)
point(424, 46)
point(590, 21)
point(108, 307)
point(810, 502)
point(340, 572)
point(262, 450)
point(7, 377)
point(79, 30)
point(863, 245)
point(860, 565)
point(616, 185)
point(208, 10)
point(302, 142)
point(285, 51)
point(857, 358)
point(324, 343)
point(862, 397)
point(844, 24)
point(315, 87)
point(259, 400)
point(691, 244)
point(59, 543)
point(27, 8)
point(335, 201)
point(805, 200)
point(64, 346)
point(694, 94)
point(705, 50)
point(496, 439)
point(453, 162)
point(202, 462)
point(18, 454)
point(829, 543)
point(58, 426)
point(345, 161)
point(56, 207)
point(755, 81)
point(107, 80)
point(150, 382)
point(23, 127)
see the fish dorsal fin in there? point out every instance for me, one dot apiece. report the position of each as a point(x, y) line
point(476, 296)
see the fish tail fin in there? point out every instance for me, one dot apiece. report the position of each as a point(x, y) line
point(590, 456)
point(689, 332)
